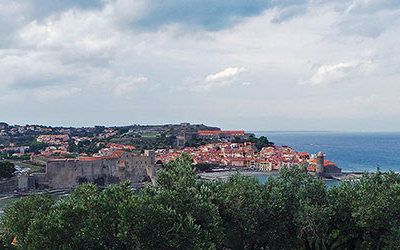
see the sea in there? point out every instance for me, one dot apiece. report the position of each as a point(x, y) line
point(353, 152)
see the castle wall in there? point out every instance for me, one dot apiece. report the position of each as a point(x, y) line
point(8, 185)
point(69, 173)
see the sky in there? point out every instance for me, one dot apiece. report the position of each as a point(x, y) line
point(238, 64)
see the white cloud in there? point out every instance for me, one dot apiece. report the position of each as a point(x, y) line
point(221, 79)
point(224, 77)
point(331, 73)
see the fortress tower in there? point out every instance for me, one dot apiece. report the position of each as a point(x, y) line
point(319, 170)
point(150, 169)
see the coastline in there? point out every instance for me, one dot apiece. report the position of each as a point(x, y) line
point(352, 151)
point(223, 175)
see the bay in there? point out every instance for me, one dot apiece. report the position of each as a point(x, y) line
point(358, 152)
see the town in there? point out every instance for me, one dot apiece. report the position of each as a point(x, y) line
point(245, 155)
point(56, 157)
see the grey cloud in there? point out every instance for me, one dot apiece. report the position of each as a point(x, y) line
point(364, 25)
point(369, 18)
point(207, 14)
point(154, 14)
point(82, 57)
point(15, 14)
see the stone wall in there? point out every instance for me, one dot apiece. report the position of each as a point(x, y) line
point(8, 185)
point(69, 173)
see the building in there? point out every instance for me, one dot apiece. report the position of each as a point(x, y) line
point(322, 167)
point(220, 133)
point(227, 135)
point(116, 167)
point(54, 139)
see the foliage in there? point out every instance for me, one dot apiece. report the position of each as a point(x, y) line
point(291, 211)
point(36, 147)
point(24, 157)
point(259, 142)
point(86, 146)
point(19, 216)
point(7, 169)
point(197, 141)
point(177, 214)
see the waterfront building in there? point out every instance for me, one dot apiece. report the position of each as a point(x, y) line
point(322, 167)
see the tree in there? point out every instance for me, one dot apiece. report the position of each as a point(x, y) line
point(261, 142)
point(240, 209)
point(281, 200)
point(19, 216)
point(177, 214)
point(35, 146)
point(312, 214)
point(189, 219)
point(86, 219)
point(376, 210)
point(7, 169)
point(72, 147)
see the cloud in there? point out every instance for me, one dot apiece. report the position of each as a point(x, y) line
point(365, 100)
point(204, 14)
point(42, 95)
point(356, 17)
point(224, 77)
point(368, 6)
point(38, 9)
point(289, 12)
point(104, 48)
point(209, 14)
point(331, 73)
point(54, 93)
point(127, 85)
point(221, 79)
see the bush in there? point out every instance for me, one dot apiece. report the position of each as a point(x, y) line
point(7, 169)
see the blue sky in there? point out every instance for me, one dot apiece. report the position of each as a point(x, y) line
point(256, 65)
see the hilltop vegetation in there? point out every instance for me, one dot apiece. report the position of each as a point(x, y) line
point(292, 211)
point(89, 140)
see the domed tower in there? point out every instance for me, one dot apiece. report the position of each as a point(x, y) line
point(319, 168)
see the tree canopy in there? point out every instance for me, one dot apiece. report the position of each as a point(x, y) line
point(290, 211)
point(7, 169)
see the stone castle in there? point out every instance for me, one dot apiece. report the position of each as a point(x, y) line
point(69, 173)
